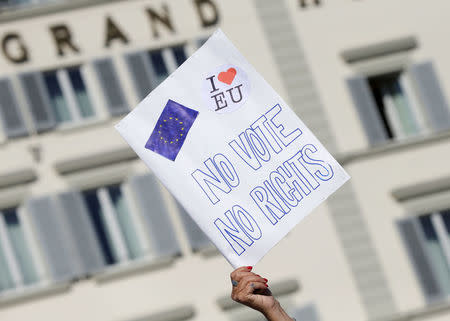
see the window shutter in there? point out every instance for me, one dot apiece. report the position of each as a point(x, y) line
point(113, 93)
point(196, 237)
point(38, 101)
point(413, 239)
point(140, 73)
point(54, 238)
point(82, 230)
point(307, 313)
point(148, 195)
point(367, 110)
point(13, 123)
point(431, 95)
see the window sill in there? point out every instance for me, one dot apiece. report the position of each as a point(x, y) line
point(81, 125)
point(419, 314)
point(176, 314)
point(132, 267)
point(209, 251)
point(103, 158)
point(33, 292)
point(17, 177)
point(392, 147)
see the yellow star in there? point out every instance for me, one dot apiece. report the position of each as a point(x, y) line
point(181, 134)
point(171, 142)
point(182, 128)
point(181, 122)
point(176, 118)
point(170, 117)
point(165, 120)
point(161, 138)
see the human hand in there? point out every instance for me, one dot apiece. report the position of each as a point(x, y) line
point(252, 290)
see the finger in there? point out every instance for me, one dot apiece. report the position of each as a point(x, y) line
point(239, 270)
point(260, 289)
point(251, 278)
point(239, 275)
point(256, 286)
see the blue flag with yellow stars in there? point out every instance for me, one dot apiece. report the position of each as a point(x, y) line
point(171, 129)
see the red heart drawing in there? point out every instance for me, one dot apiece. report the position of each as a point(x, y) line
point(227, 77)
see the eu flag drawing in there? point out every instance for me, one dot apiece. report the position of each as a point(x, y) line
point(171, 129)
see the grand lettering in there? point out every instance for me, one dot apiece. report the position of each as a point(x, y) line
point(66, 42)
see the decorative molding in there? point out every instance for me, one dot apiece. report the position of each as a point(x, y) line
point(102, 176)
point(10, 298)
point(393, 147)
point(209, 251)
point(421, 189)
point(13, 196)
point(420, 314)
point(278, 289)
point(21, 176)
point(427, 204)
point(95, 160)
point(181, 313)
point(131, 268)
point(379, 49)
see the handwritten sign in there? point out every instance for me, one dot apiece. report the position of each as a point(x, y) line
point(232, 152)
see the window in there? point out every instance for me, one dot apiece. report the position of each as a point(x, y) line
point(16, 265)
point(400, 104)
point(57, 97)
point(68, 95)
point(428, 240)
point(16, 4)
point(149, 68)
point(394, 105)
point(114, 224)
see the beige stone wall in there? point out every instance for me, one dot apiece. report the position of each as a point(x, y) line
point(312, 253)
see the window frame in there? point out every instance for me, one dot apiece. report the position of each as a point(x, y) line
point(414, 107)
point(112, 224)
point(31, 243)
point(444, 241)
point(69, 96)
point(189, 46)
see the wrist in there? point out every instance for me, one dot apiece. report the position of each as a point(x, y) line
point(277, 313)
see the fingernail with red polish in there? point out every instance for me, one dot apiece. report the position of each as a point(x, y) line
point(265, 280)
point(266, 285)
point(249, 267)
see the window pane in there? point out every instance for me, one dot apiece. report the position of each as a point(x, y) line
point(446, 217)
point(180, 55)
point(95, 213)
point(58, 102)
point(436, 254)
point(125, 221)
point(80, 92)
point(6, 280)
point(159, 67)
point(20, 248)
point(402, 107)
point(393, 106)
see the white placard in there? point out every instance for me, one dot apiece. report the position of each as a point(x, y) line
point(232, 152)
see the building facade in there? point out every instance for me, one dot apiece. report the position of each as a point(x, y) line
point(79, 240)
